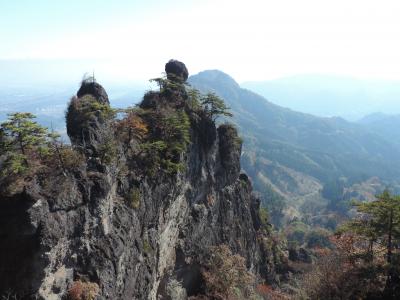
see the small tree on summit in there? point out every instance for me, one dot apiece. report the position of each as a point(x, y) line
point(215, 106)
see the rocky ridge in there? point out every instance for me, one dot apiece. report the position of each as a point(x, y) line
point(133, 218)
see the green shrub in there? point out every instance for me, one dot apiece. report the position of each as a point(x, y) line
point(296, 237)
point(214, 106)
point(318, 238)
point(296, 233)
point(23, 143)
point(89, 108)
point(146, 247)
point(169, 138)
point(108, 150)
point(193, 100)
point(14, 164)
point(165, 85)
point(152, 159)
point(171, 167)
point(264, 218)
point(133, 198)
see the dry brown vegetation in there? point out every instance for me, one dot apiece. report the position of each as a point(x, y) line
point(226, 274)
point(342, 272)
point(80, 290)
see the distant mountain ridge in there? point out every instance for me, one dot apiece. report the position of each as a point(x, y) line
point(328, 95)
point(323, 148)
point(385, 125)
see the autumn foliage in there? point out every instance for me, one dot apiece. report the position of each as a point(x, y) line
point(132, 127)
point(342, 272)
point(226, 275)
point(268, 293)
point(83, 291)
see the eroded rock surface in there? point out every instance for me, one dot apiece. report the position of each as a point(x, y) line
point(83, 225)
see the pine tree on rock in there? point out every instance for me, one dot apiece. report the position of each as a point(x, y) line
point(20, 135)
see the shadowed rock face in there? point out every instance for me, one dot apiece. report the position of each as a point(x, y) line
point(229, 150)
point(19, 244)
point(78, 225)
point(176, 71)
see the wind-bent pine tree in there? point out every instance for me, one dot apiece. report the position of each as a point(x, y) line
point(215, 106)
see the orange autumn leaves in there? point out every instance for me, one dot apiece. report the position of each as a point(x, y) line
point(132, 127)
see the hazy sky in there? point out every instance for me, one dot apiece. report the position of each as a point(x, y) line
point(250, 39)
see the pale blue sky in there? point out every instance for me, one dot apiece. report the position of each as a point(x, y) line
point(249, 39)
point(26, 23)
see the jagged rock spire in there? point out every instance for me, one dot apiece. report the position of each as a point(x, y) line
point(87, 124)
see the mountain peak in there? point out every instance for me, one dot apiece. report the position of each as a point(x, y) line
point(214, 76)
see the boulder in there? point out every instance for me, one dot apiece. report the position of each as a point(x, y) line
point(176, 71)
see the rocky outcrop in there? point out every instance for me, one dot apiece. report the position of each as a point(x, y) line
point(88, 118)
point(91, 87)
point(176, 71)
point(132, 233)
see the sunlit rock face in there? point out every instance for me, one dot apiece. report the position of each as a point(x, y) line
point(131, 233)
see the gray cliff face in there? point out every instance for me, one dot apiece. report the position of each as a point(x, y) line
point(77, 225)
